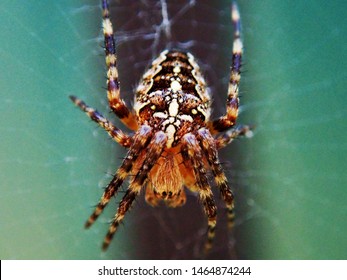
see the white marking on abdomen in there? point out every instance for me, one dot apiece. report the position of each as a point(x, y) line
point(185, 118)
point(175, 86)
point(160, 115)
point(170, 132)
point(173, 108)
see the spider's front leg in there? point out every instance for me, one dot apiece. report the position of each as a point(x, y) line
point(191, 152)
point(117, 105)
point(141, 140)
point(229, 119)
point(209, 148)
point(154, 151)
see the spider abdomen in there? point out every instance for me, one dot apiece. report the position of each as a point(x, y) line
point(173, 96)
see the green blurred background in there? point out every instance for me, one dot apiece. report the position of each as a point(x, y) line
point(289, 179)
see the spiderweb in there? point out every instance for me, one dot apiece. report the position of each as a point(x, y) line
point(55, 162)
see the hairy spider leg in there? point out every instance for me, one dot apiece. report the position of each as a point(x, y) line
point(141, 140)
point(229, 119)
point(118, 135)
point(117, 104)
point(209, 148)
point(227, 137)
point(191, 152)
point(154, 151)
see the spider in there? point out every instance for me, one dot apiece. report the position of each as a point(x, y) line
point(174, 143)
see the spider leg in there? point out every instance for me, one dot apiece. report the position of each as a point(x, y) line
point(117, 105)
point(118, 135)
point(191, 152)
point(230, 135)
point(154, 151)
point(209, 148)
point(141, 139)
point(229, 119)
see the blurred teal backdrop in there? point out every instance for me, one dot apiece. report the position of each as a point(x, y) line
point(289, 179)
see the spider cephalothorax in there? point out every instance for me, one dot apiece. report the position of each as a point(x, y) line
point(175, 143)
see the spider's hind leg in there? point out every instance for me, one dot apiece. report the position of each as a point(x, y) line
point(117, 104)
point(232, 105)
